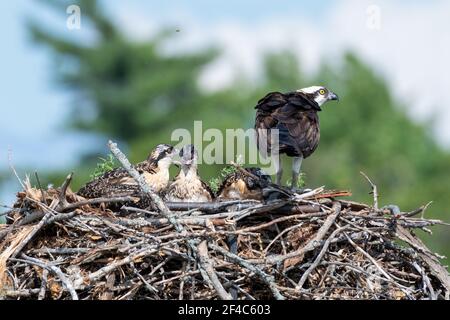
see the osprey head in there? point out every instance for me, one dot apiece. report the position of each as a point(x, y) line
point(319, 94)
point(264, 178)
point(163, 154)
point(188, 155)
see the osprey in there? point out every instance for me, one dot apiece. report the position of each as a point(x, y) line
point(239, 186)
point(294, 115)
point(118, 183)
point(187, 186)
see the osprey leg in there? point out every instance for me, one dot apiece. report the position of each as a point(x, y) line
point(296, 166)
point(278, 168)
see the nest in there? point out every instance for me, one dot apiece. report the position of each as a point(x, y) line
point(313, 246)
point(316, 247)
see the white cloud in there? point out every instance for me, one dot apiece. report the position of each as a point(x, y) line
point(411, 48)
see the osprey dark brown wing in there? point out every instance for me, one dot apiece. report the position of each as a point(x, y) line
point(299, 132)
point(118, 182)
point(295, 116)
point(264, 120)
point(115, 183)
point(207, 189)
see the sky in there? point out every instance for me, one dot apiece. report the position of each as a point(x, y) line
point(408, 42)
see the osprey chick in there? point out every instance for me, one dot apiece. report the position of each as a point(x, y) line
point(239, 186)
point(118, 183)
point(187, 186)
point(294, 115)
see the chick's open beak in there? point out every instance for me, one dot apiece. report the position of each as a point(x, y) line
point(173, 155)
point(186, 159)
point(188, 155)
point(174, 152)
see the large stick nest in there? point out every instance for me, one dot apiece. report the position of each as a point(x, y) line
point(60, 246)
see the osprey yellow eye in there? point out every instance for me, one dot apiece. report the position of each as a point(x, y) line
point(322, 92)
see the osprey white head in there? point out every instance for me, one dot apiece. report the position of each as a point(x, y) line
point(319, 94)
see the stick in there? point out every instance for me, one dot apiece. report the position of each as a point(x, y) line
point(95, 276)
point(421, 210)
point(425, 279)
point(31, 235)
point(269, 280)
point(11, 166)
point(368, 256)
point(65, 281)
point(40, 187)
point(79, 204)
point(206, 261)
point(311, 245)
point(41, 295)
point(319, 257)
point(374, 191)
point(211, 206)
point(62, 195)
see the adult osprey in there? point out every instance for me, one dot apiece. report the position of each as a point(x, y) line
point(295, 116)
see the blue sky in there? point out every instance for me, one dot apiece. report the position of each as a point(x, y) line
point(213, 11)
point(32, 107)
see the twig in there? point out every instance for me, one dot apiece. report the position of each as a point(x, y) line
point(318, 258)
point(65, 281)
point(374, 191)
point(209, 269)
point(269, 280)
point(149, 250)
point(62, 195)
point(211, 206)
point(282, 219)
point(79, 204)
point(41, 295)
point(311, 245)
point(40, 187)
point(30, 236)
point(11, 166)
point(421, 210)
point(368, 256)
point(426, 280)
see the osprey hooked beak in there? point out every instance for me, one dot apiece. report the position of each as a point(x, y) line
point(333, 96)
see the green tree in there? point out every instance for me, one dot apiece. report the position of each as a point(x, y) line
point(369, 131)
point(123, 89)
